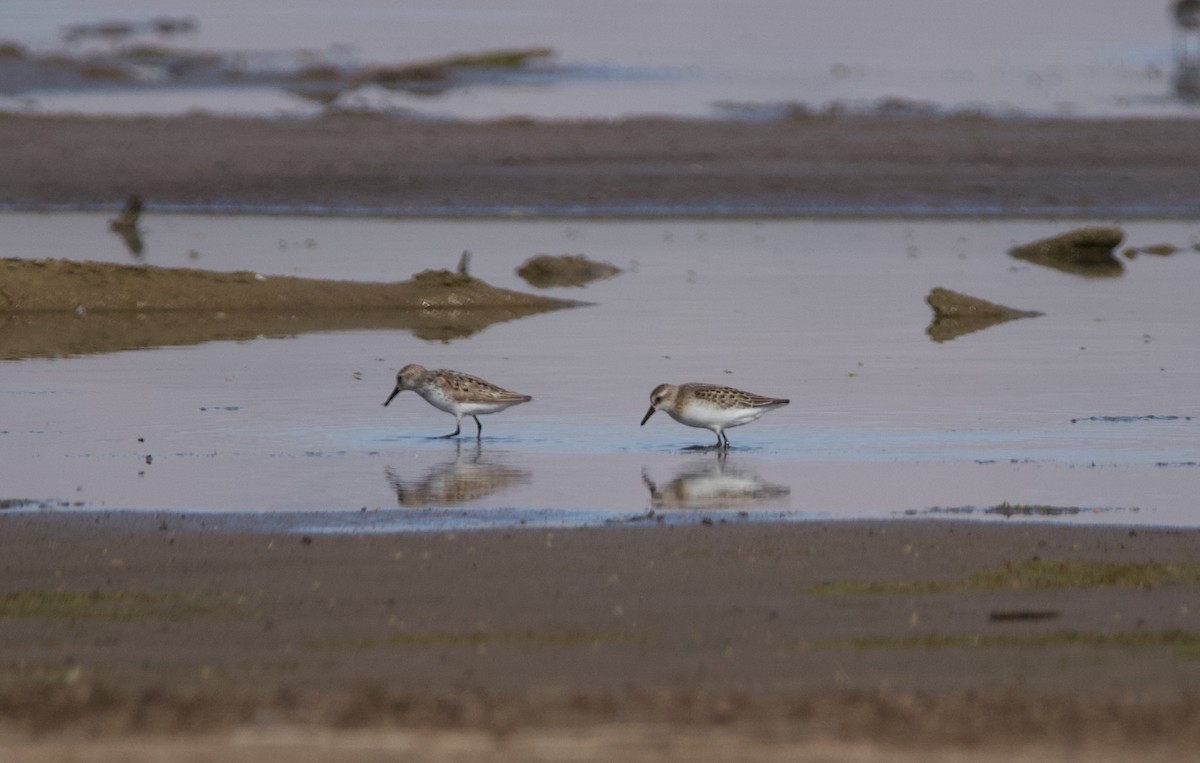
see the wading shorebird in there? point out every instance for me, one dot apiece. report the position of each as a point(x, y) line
point(710, 406)
point(455, 393)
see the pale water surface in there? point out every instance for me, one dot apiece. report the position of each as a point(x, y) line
point(1091, 407)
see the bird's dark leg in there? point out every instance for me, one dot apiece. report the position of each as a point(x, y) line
point(457, 428)
point(726, 440)
point(719, 444)
point(479, 432)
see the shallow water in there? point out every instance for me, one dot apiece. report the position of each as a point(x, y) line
point(674, 57)
point(1089, 410)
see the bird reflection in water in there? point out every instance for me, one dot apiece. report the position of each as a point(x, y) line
point(467, 477)
point(715, 485)
point(126, 226)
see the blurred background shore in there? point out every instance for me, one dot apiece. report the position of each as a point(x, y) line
point(847, 165)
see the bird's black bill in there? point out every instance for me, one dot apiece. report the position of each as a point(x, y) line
point(649, 413)
point(395, 392)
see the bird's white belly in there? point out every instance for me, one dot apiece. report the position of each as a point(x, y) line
point(444, 402)
point(712, 417)
point(476, 409)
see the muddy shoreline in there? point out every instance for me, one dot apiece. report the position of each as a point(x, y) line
point(155, 624)
point(826, 165)
point(140, 636)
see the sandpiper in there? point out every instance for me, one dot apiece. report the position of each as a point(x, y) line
point(710, 406)
point(456, 393)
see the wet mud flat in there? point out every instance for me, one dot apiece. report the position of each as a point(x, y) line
point(134, 633)
point(807, 165)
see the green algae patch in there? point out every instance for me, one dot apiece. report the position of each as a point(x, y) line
point(24, 675)
point(1185, 643)
point(109, 605)
point(442, 70)
point(1007, 509)
point(1032, 575)
point(475, 639)
point(505, 58)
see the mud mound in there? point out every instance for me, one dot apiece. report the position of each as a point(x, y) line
point(955, 314)
point(56, 307)
point(545, 270)
point(1083, 251)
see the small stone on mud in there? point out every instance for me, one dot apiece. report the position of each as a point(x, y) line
point(1083, 251)
point(545, 270)
point(1158, 250)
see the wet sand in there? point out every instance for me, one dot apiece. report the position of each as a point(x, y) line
point(813, 165)
point(172, 636)
point(641, 641)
